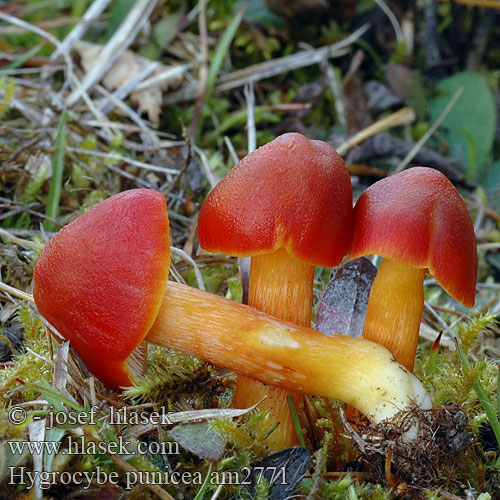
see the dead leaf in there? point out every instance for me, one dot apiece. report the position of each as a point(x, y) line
point(342, 309)
point(128, 66)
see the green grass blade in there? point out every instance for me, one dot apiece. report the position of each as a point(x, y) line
point(222, 49)
point(23, 58)
point(498, 390)
point(296, 422)
point(482, 395)
point(201, 492)
point(52, 209)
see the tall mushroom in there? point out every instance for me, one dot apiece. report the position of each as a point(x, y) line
point(288, 205)
point(418, 223)
point(102, 283)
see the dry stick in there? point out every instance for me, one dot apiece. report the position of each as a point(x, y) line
point(91, 14)
point(125, 159)
point(27, 71)
point(97, 114)
point(44, 24)
point(403, 116)
point(479, 217)
point(202, 84)
point(16, 293)
point(271, 68)
point(183, 255)
point(168, 74)
point(493, 4)
point(231, 149)
point(252, 134)
point(393, 20)
point(122, 92)
point(19, 241)
point(212, 178)
point(338, 96)
point(18, 210)
point(113, 100)
point(115, 47)
point(418, 146)
point(125, 466)
point(47, 36)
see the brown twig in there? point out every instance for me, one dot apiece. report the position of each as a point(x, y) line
point(203, 78)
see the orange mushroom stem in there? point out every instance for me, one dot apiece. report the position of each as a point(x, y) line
point(252, 343)
point(418, 222)
point(102, 283)
point(280, 285)
point(288, 205)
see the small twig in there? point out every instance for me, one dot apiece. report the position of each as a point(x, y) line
point(115, 47)
point(392, 18)
point(134, 116)
point(271, 68)
point(97, 114)
point(411, 154)
point(121, 93)
point(479, 217)
point(440, 320)
point(231, 149)
point(212, 179)
point(125, 159)
point(488, 246)
point(18, 210)
point(128, 175)
point(125, 466)
point(217, 491)
point(338, 96)
point(252, 133)
point(492, 4)
point(403, 116)
point(196, 269)
point(27, 71)
point(16, 293)
point(203, 71)
point(354, 435)
point(47, 36)
point(168, 74)
point(91, 14)
point(19, 241)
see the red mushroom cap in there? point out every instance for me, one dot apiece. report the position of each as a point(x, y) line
point(79, 280)
point(418, 217)
point(293, 193)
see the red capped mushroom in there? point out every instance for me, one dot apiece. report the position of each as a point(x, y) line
point(288, 205)
point(87, 282)
point(418, 223)
point(102, 283)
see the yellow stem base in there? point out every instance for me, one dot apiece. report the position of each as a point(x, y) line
point(395, 310)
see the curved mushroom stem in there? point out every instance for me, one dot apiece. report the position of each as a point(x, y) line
point(395, 309)
point(280, 285)
point(356, 371)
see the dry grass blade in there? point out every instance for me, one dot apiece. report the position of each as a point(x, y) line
point(409, 157)
point(271, 68)
point(16, 293)
point(404, 116)
point(125, 466)
point(183, 255)
point(125, 159)
point(70, 76)
point(92, 13)
point(115, 47)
